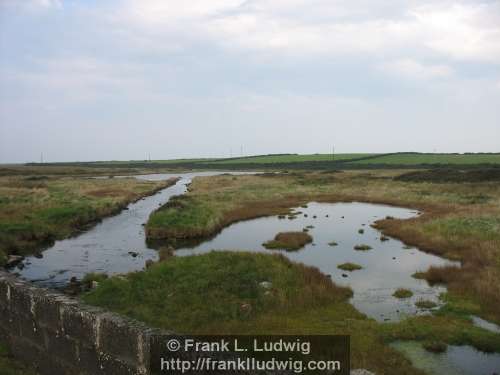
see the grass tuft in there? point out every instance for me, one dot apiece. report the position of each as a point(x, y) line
point(349, 267)
point(289, 241)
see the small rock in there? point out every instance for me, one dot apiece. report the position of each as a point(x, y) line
point(345, 275)
point(149, 263)
point(393, 258)
point(133, 253)
point(94, 284)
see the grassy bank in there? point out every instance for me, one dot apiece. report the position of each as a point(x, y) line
point(249, 293)
point(37, 210)
point(460, 220)
point(226, 292)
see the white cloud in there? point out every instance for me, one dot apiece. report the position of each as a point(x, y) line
point(462, 31)
point(413, 69)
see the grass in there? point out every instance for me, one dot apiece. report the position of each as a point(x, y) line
point(10, 366)
point(289, 241)
point(288, 158)
point(425, 304)
point(435, 346)
point(444, 159)
point(362, 247)
point(34, 212)
point(455, 224)
point(349, 267)
point(220, 293)
point(196, 292)
point(403, 293)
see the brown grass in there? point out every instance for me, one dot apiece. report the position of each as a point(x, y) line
point(289, 241)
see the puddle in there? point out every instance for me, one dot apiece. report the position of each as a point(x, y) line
point(388, 266)
point(105, 247)
point(457, 360)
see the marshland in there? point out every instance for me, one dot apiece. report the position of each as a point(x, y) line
point(402, 266)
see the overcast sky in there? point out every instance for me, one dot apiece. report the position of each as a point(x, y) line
point(122, 79)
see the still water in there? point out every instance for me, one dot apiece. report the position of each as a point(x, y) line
point(457, 360)
point(388, 266)
point(105, 247)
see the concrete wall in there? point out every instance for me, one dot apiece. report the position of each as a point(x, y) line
point(59, 335)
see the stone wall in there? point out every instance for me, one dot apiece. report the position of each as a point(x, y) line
point(61, 336)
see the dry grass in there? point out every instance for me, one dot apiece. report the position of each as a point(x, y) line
point(289, 241)
point(35, 211)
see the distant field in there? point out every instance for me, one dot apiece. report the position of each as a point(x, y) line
point(288, 158)
point(285, 161)
point(413, 159)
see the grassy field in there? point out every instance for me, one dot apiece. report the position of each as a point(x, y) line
point(460, 220)
point(442, 159)
point(286, 161)
point(36, 210)
point(288, 158)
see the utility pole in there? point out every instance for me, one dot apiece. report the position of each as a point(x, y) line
point(241, 151)
point(41, 158)
point(333, 153)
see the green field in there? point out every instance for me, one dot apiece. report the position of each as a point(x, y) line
point(288, 158)
point(295, 161)
point(415, 159)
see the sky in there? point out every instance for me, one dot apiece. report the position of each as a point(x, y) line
point(88, 80)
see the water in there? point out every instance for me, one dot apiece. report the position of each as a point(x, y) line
point(484, 324)
point(388, 266)
point(105, 247)
point(457, 360)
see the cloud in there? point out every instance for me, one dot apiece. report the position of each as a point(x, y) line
point(413, 69)
point(31, 4)
point(462, 31)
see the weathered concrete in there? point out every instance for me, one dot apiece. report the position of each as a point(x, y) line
point(59, 335)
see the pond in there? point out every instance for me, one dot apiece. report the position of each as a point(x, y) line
point(386, 267)
point(457, 360)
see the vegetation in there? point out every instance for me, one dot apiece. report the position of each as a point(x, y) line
point(402, 293)
point(333, 243)
point(425, 304)
point(35, 211)
point(349, 267)
point(362, 247)
point(204, 292)
point(221, 293)
point(435, 346)
point(296, 161)
point(289, 241)
point(9, 366)
point(459, 220)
